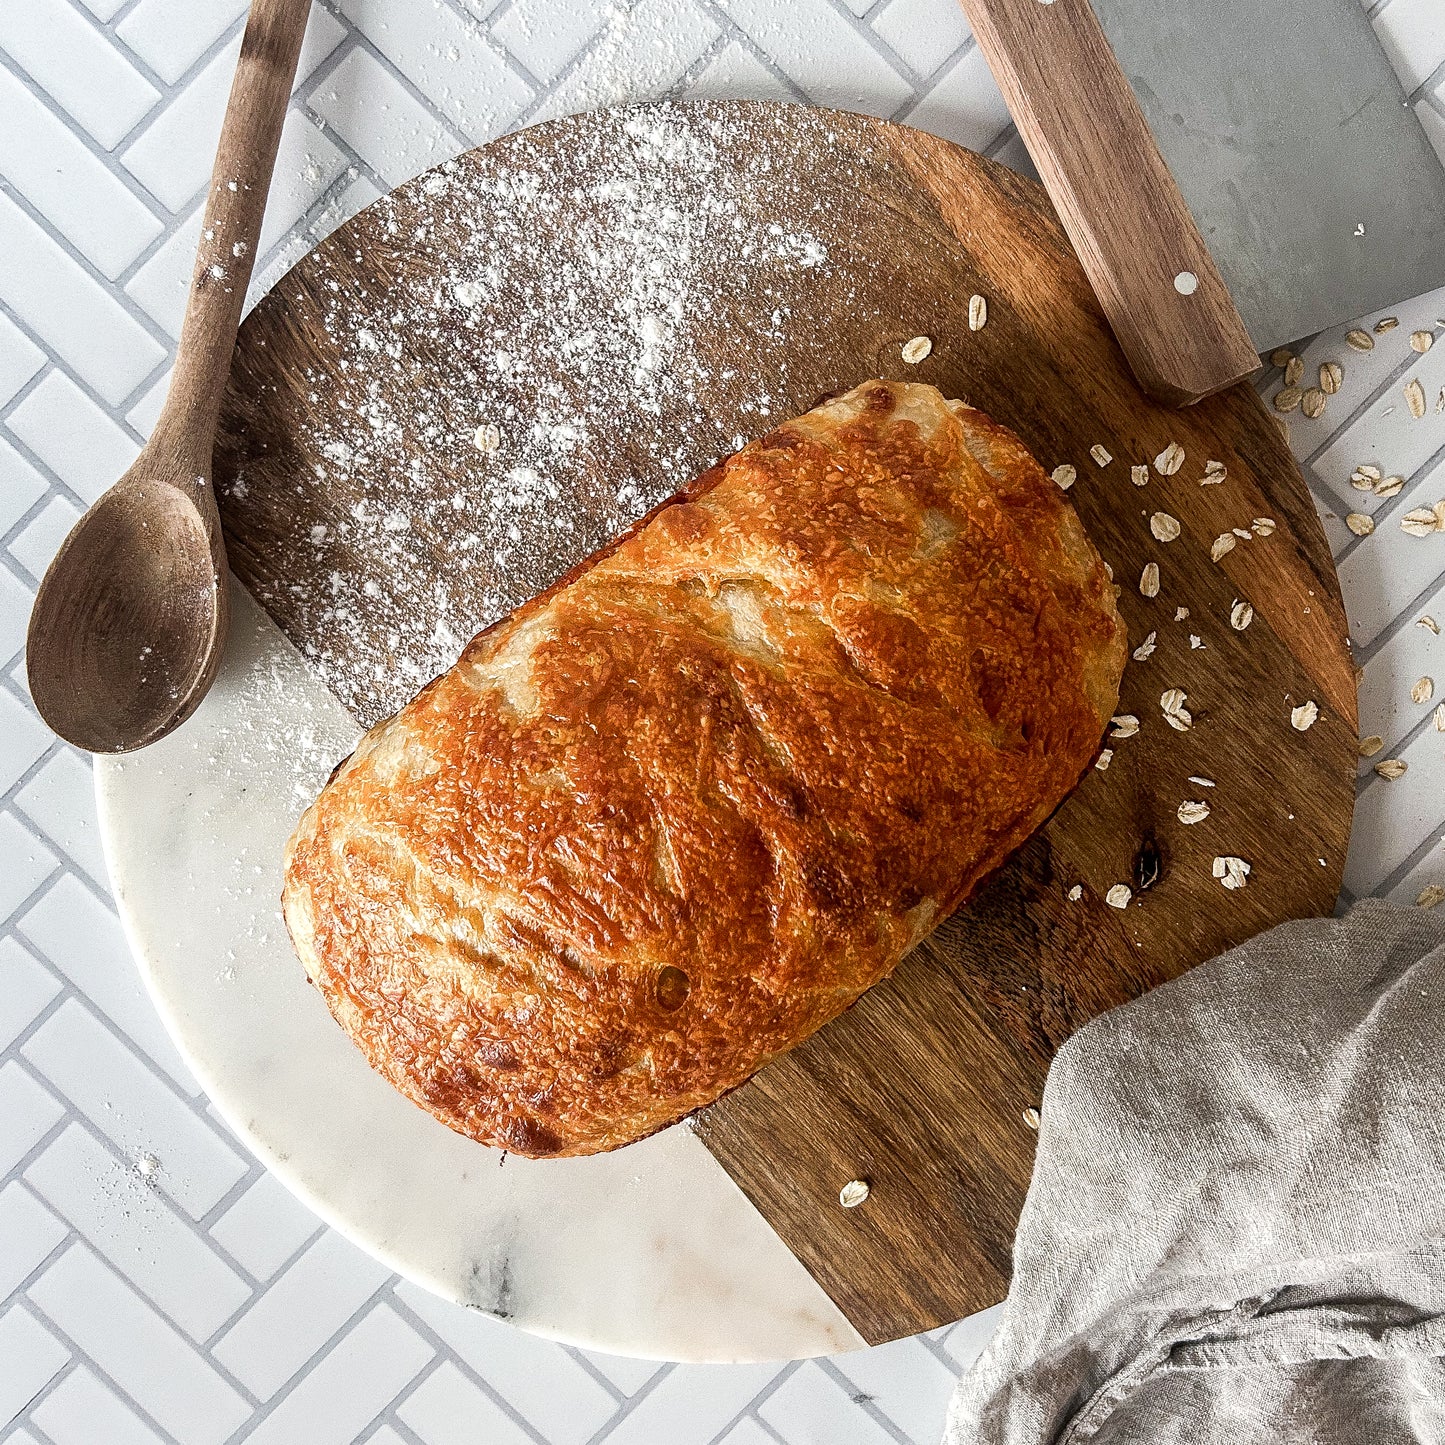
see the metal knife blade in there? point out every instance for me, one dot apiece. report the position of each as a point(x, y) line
point(1309, 176)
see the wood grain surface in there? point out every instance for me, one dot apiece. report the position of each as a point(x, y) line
point(623, 297)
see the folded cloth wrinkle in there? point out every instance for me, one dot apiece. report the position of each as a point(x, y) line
point(1236, 1226)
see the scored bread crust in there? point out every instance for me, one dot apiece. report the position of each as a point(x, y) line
point(676, 813)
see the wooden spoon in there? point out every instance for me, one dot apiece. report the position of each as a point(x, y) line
point(128, 627)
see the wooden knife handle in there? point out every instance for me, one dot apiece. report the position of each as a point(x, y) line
point(1154, 277)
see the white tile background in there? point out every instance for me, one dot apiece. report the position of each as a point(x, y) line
point(202, 1304)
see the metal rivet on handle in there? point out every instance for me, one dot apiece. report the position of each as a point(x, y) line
point(1186, 283)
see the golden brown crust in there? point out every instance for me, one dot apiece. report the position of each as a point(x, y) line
point(671, 817)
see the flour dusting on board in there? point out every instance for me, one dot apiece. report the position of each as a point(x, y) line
point(502, 414)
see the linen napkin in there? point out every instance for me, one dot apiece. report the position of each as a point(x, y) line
point(1236, 1226)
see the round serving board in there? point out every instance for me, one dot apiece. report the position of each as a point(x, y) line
point(486, 375)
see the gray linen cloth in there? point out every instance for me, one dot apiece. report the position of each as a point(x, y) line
point(1236, 1227)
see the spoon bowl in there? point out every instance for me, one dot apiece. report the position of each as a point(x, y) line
point(129, 624)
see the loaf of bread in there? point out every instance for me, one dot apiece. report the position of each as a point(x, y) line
point(672, 816)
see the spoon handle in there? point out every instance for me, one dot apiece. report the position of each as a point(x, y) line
point(230, 231)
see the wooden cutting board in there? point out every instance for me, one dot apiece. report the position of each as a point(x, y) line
point(480, 379)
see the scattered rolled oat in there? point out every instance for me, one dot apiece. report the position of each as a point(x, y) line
point(1104, 759)
point(1364, 477)
point(1371, 745)
point(1360, 340)
point(1164, 527)
point(1119, 895)
point(1223, 543)
point(1240, 615)
point(1312, 403)
point(1125, 725)
point(853, 1193)
point(1429, 624)
point(1196, 642)
point(1332, 377)
point(1303, 717)
point(1392, 768)
point(1214, 468)
point(1149, 580)
point(1360, 523)
point(1389, 486)
point(1101, 454)
point(1431, 896)
point(1440, 718)
point(1389, 323)
point(1192, 812)
point(1031, 1118)
point(1202, 782)
point(1423, 690)
point(1169, 460)
point(1172, 701)
point(1281, 356)
point(1231, 871)
point(487, 437)
point(1066, 476)
point(977, 312)
point(1422, 341)
point(1244, 534)
point(1288, 399)
point(1294, 370)
point(1424, 520)
point(1074, 894)
point(1145, 649)
point(1263, 526)
point(1181, 613)
point(1139, 476)
point(917, 350)
point(1415, 398)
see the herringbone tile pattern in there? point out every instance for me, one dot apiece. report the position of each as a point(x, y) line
point(157, 1285)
